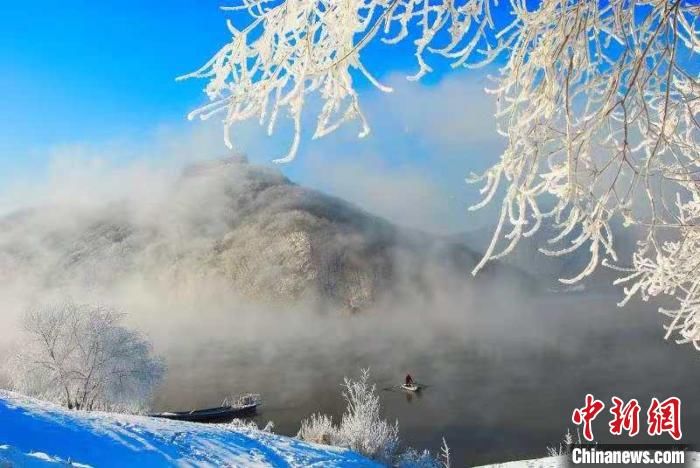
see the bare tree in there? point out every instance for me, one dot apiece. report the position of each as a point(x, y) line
point(599, 102)
point(81, 357)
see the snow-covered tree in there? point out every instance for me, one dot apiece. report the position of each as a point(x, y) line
point(80, 356)
point(361, 428)
point(598, 100)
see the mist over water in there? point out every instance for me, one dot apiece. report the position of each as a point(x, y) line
point(504, 368)
point(505, 362)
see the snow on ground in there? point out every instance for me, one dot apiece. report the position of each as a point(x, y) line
point(692, 460)
point(548, 462)
point(35, 433)
point(39, 434)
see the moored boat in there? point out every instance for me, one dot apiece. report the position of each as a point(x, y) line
point(244, 406)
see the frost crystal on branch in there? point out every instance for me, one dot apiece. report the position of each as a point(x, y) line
point(361, 428)
point(80, 356)
point(290, 49)
point(599, 102)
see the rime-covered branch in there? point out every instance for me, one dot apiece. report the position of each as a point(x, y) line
point(81, 357)
point(288, 50)
point(598, 100)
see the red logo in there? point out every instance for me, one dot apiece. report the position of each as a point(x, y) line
point(665, 417)
point(662, 417)
point(587, 414)
point(625, 417)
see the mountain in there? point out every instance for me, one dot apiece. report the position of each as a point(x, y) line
point(237, 224)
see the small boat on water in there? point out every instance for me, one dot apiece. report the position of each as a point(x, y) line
point(242, 407)
point(411, 387)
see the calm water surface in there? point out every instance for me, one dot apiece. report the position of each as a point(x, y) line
point(492, 399)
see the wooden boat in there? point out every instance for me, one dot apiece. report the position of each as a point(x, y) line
point(243, 407)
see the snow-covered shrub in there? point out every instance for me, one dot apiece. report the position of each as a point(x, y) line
point(81, 357)
point(363, 430)
point(319, 429)
point(362, 427)
point(249, 424)
point(269, 427)
point(412, 458)
point(564, 447)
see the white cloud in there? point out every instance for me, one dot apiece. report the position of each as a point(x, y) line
point(89, 173)
point(451, 115)
point(425, 140)
point(402, 194)
point(411, 169)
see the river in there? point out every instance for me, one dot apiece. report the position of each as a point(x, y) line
point(498, 389)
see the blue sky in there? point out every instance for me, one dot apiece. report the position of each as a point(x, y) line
point(102, 74)
point(86, 70)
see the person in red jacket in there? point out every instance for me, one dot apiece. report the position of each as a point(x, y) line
point(409, 379)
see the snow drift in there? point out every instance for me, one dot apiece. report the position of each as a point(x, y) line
point(35, 433)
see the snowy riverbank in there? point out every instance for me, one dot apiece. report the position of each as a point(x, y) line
point(692, 461)
point(35, 433)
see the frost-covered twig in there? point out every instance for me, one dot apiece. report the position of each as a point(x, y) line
point(287, 50)
point(599, 102)
point(445, 454)
point(80, 356)
point(363, 430)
